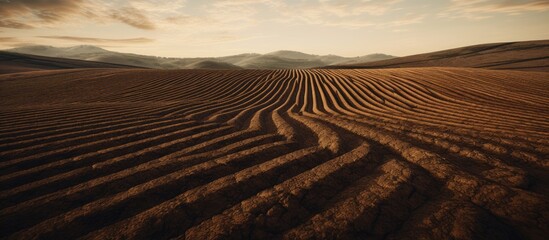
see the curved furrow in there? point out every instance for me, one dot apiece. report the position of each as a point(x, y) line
point(275, 208)
point(372, 94)
point(373, 206)
point(456, 104)
point(447, 108)
point(476, 162)
point(193, 86)
point(234, 83)
point(19, 149)
point(37, 132)
point(317, 105)
point(252, 114)
point(68, 163)
point(453, 218)
point(394, 95)
point(366, 107)
point(242, 109)
point(182, 211)
point(513, 142)
point(274, 154)
point(79, 132)
point(363, 99)
point(533, 87)
point(157, 85)
point(495, 146)
point(343, 98)
point(386, 95)
point(51, 110)
point(515, 154)
point(305, 93)
point(325, 100)
point(184, 96)
point(498, 199)
point(166, 129)
point(265, 90)
point(459, 95)
point(41, 119)
point(326, 137)
point(431, 119)
point(481, 92)
point(131, 93)
point(441, 121)
point(337, 95)
point(259, 91)
point(428, 105)
point(279, 116)
point(487, 167)
point(111, 161)
point(315, 129)
point(62, 122)
point(216, 100)
point(200, 90)
point(175, 171)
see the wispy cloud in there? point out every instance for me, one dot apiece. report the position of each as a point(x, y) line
point(14, 24)
point(100, 40)
point(340, 13)
point(481, 9)
point(133, 17)
point(26, 14)
point(213, 15)
point(8, 39)
point(13, 42)
point(406, 20)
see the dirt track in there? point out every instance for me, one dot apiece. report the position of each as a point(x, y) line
point(395, 153)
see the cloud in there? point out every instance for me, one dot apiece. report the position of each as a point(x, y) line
point(8, 39)
point(14, 24)
point(480, 9)
point(12, 42)
point(133, 17)
point(46, 10)
point(26, 14)
point(407, 20)
point(197, 16)
point(218, 38)
point(18, 14)
point(100, 40)
point(340, 13)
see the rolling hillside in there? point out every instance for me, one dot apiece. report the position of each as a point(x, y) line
point(411, 153)
point(16, 62)
point(526, 56)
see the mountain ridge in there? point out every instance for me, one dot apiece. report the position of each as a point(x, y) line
point(272, 60)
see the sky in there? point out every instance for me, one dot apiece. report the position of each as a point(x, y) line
point(211, 28)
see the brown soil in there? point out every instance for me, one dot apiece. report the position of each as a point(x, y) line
point(418, 153)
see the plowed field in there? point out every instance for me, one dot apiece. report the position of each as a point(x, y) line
point(418, 153)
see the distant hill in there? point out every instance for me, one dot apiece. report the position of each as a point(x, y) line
point(292, 55)
point(275, 62)
point(16, 62)
point(327, 59)
point(278, 59)
point(207, 64)
point(528, 56)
